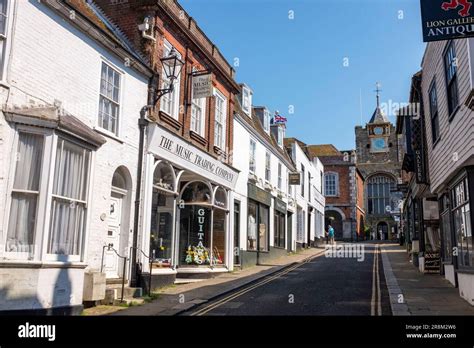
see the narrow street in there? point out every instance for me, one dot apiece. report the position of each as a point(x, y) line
point(320, 286)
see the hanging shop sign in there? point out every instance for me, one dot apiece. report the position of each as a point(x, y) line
point(294, 178)
point(202, 86)
point(186, 156)
point(280, 206)
point(419, 152)
point(447, 19)
point(259, 195)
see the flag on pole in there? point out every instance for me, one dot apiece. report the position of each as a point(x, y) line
point(278, 118)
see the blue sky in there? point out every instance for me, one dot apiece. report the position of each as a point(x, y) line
point(301, 61)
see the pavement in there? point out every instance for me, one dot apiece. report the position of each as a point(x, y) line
point(179, 298)
point(414, 293)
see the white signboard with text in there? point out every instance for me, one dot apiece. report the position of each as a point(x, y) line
point(176, 150)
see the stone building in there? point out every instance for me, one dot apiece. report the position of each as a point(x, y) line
point(378, 160)
point(343, 189)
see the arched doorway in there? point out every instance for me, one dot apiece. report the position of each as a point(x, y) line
point(334, 218)
point(382, 230)
point(118, 222)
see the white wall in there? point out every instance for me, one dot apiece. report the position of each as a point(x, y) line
point(241, 162)
point(53, 61)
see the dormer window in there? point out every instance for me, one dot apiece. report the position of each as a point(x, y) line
point(266, 120)
point(281, 135)
point(246, 100)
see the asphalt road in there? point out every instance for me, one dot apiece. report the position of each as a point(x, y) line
point(322, 286)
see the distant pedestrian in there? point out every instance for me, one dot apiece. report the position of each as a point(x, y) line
point(331, 234)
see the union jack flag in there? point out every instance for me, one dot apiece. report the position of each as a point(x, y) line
point(279, 119)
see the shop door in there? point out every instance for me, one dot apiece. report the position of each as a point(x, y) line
point(236, 233)
point(289, 231)
point(113, 237)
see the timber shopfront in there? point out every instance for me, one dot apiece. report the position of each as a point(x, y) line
point(260, 211)
point(185, 230)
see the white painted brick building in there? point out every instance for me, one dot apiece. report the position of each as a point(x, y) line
point(62, 61)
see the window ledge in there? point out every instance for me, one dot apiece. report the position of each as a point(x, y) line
point(40, 264)
point(197, 137)
point(108, 134)
point(436, 142)
point(220, 152)
point(170, 120)
point(4, 84)
point(452, 114)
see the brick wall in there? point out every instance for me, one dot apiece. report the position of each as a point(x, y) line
point(175, 26)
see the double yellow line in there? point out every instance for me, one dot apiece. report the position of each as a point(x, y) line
point(375, 303)
point(233, 296)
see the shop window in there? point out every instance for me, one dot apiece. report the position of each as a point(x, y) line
point(219, 237)
point(161, 227)
point(220, 198)
point(462, 223)
point(195, 235)
point(197, 193)
point(164, 177)
point(279, 230)
point(446, 229)
point(252, 226)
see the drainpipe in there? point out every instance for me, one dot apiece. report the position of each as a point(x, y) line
point(142, 124)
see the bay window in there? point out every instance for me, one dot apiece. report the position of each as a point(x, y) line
point(25, 193)
point(46, 186)
point(68, 211)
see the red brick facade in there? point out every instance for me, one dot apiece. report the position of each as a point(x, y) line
point(172, 23)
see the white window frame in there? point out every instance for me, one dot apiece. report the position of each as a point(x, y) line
point(266, 120)
point(198, 104)
point(280, 179)
point(268, 166)
point(220, 122)
point(42, 194)
point(118, 123)
point(173, 97)
point(336, 184)
point(252, 156)
point(7, 42)
point(44, 203)
point(246, 100)
point(280, 136)
point(61, 257)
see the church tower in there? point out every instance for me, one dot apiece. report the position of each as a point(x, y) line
point(378, 160)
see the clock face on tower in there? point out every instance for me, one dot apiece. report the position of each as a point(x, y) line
point(379, 145)
point(378, 130)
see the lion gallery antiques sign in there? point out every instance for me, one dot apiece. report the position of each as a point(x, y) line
point(447, 19)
